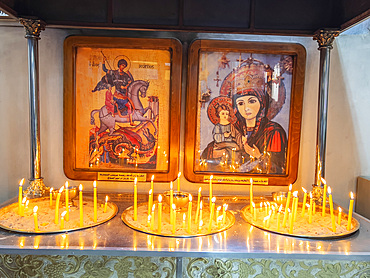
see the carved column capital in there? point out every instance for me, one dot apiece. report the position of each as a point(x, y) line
point(325, 37)
point(33, 27)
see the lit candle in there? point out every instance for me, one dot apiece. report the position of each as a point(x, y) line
point(304, 201)
point(20, 195)
point(198, 203)
point(224, 208)
point(201, 212)
point(291, 216)
point(331, 210)
point(210, 191)
point(211, 215)
point(295, 206)
point(152, 218)
point(95, 203)
point(152, 188)
point(22, 206)
point(218, 212)
point(310, 210)
point(56, 220)
point(339, 215)
point(323, 198)
point(62, 220)
point(287, 205)
point(135, 199)
point(159, 213)
point(189, 212)
point(254, 212)
point(251, 194)
point(174, 219)
point(183, 220)
point(349, 224)
point(106, 204)
point(178, 181)
point(148, 221)
point(200, 226)
point(150, 200)
point(51, 197)
point(35, 218)
point(171, 202)
point(67, 201)
point(81, 207)
point(278, 218)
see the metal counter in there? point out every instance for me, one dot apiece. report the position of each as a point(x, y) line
point(242, 240)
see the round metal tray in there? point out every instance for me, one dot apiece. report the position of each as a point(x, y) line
point(230, 220)
point(245, 213)
point(13, 206)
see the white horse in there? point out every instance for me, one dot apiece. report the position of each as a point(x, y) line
point(107, 121)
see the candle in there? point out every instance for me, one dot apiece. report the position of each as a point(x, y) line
point(150, 200)
point(171, 202)
point(254, 212)
point(159, 213)
point(183, 220)
point(148, 221)
point(278, 217)
point(287, 206)
point(323, 199)
point(62, 220)
point(198, 203)
point(152, 188)
point(95, 203)
point(106, 204)
point(210, 191)
point(152, 218)
point(135, 199)
point(67, 201)
point(81, 207)
point(56, 220)
point(201, 212)
point(314, 208)
point(51, 197)
point(304, 201)
point(260, 206)
point(251, 194)
point(189, 212)
point(174, 219)
point(331, 210)
point(310, 210)
point(339, 215)
point(211, 215)
point(35, 218)
point(22, 206)
point(178, 181)
point(295, 206)
point(224, 208)
point(200, 226)
point(291, 216)
point(20, 195)
point(219, 220)
point(349, 227)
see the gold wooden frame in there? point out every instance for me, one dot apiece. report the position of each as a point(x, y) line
point(174, 48)
point(298, 53)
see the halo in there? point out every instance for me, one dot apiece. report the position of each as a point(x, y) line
point(126, 69)
point(212, 109)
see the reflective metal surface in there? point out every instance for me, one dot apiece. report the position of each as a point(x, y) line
point(241, 240)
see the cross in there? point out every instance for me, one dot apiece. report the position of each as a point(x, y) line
point(240, 60)
point(217, 79)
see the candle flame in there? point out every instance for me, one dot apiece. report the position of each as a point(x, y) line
point(190, 198)
point(219, 219)
point(149, 217)
point(200, 189)
point(219, 208)
point(261, 204)
point(295, 194)
point(200, 223)
point(311, 195)
point(226, 206)
point(171, 185)
point(61, 189)
point(304, 190)
point(329, 190)
point(307, 205)
point(152, 177)
point(106, 198)
point(173, 206)
point(178, 175)
point(27, 202)
point(340, 209)
point(135, 180)
point(323, 180)
point(251, 181)
point(213, 199)
point(290, 187)
point(289, 210)
point(81, 187)
point(66, 184)
point(35, 208)
point(201, 205)
point(150, 192)
point(21, 182)
point(184, 216)
point(266, 218)
point(153, 208)
point(280, 208)
point(64, 213)
point(253, 205)
point(94, 183)
point(24, 200)
point(211, 177)
point(160, 198)
point(51, 189)
point(352, 195)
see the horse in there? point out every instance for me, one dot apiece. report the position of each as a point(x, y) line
point(135, 90)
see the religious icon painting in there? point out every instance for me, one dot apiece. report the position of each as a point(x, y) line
point(245, 100)
point(122, 100)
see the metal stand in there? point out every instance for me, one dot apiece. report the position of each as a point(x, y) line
point(33, 28)
point(325, 39)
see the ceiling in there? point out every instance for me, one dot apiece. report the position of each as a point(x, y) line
point(285, 17)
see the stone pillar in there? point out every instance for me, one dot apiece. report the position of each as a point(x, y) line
point(325, 39)
point(33, 29)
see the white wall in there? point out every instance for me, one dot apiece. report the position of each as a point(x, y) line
point(348, 154)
